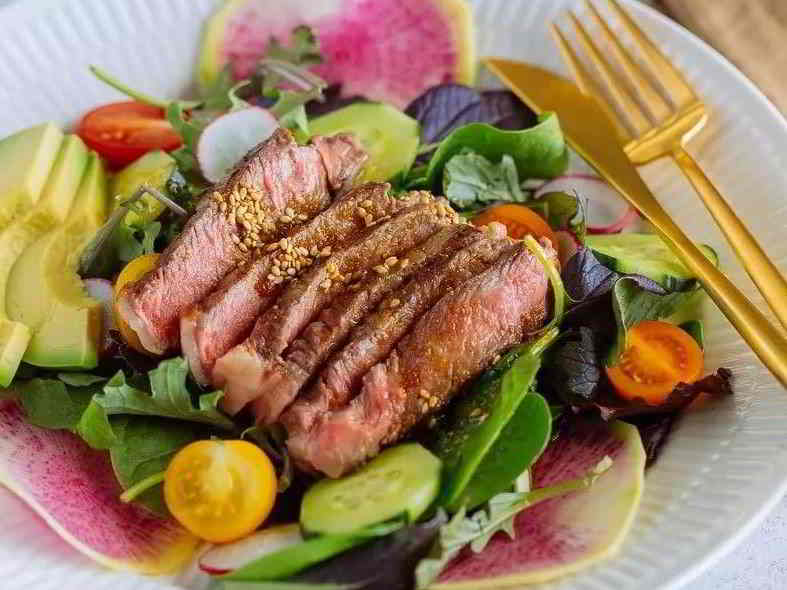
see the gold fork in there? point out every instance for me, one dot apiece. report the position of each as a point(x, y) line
point(662, 129)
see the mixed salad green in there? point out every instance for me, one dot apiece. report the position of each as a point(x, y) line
point(424, 507)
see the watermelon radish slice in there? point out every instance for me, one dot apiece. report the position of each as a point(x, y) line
point(229, 137)
point(565, 534)
point(73, 488)
point(386, 50)
point(222, 559)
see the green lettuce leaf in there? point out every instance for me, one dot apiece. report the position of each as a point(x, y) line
point(538, 152)
point(169, 397)
point(469, 179)
point(48, 403)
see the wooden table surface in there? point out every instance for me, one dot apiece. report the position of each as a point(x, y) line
point(750, 33)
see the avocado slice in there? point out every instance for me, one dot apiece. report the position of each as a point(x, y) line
point(26, 159)
point(46, 294)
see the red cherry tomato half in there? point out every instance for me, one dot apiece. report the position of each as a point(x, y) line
point(121, 132)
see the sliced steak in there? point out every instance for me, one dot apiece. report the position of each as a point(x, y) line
point(453, 342)
point(246, 371)
point(465, 256)
point(377, 335)
point(320, 338)
point(276, 185)
point(226, 316)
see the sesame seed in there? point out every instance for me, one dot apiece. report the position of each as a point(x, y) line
point(291, 271)
point(381, 269)
point(326, 251)
point(285, 219)
point(302, 217)
point(283, 243)
point(271, 277)
point(391, 260)
point(272, 247)
point(243, 247)
point(368, 203)
point(276, 271)
point(235, 239)
point(404, 262)
point(362, 212)
point(395, 303)
point(326, 284)
point(290, 212)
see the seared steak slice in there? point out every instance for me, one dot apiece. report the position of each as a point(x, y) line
point(328, 331)
point(245, 371)
point(453, 342)
point(276, 185)
point(226, 316)
point(377, 335)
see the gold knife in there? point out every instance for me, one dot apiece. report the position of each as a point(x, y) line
point(592, 135)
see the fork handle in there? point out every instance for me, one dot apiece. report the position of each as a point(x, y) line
point(766, 276)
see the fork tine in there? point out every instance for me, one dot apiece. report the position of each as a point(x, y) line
point(616, 86)
point(656, 105)
point(673, 81)
point(587, 84)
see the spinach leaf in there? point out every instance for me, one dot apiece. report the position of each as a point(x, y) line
point(95, 429)
point(80, 379)
point(444, 107)
point(387, 563)
point(477, 529)
point(475, 429)
point(539, 151)
point(169, 397)
point(470, 179)
point(144, 447)
point(48, 403)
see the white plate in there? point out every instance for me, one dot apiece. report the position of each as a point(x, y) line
point(725, 466)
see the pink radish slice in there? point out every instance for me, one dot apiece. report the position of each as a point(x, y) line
point(607, 212)
point(103, 291)
point(567, 245)
point(222, 559)
point(228, 138)
point(565, 534)
point(73, 488)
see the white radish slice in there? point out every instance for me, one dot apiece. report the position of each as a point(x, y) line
point(103, 291)
point(222, 559)
point(607, 212)
point(228, 138)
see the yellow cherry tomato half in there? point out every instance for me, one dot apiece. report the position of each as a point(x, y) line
point(132, 272)
point(220, 490)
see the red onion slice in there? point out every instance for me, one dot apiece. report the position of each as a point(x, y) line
point(607, 212)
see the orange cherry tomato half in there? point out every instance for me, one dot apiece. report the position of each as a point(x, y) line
point(132, 272)
point(121, 132)
point(220, 490)
point(520, 221)
point(658, 356)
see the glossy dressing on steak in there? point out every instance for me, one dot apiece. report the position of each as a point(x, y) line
point(226, 316)
point(248, 209)
point(244, 372)
point(453, 342)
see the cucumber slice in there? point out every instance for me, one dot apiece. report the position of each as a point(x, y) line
point(401, 480)
point(153, 169)
point(644, 254)
point(390, 137)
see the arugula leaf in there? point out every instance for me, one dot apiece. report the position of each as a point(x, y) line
point(539, 151)
point(469, 179)
point(169, 397)
point(144, 447)
point(187, 129)
point(477, 529)
point(304, 51)
point(95, 429)
point(138, 96)
point(563, 211)
point(222, 94)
